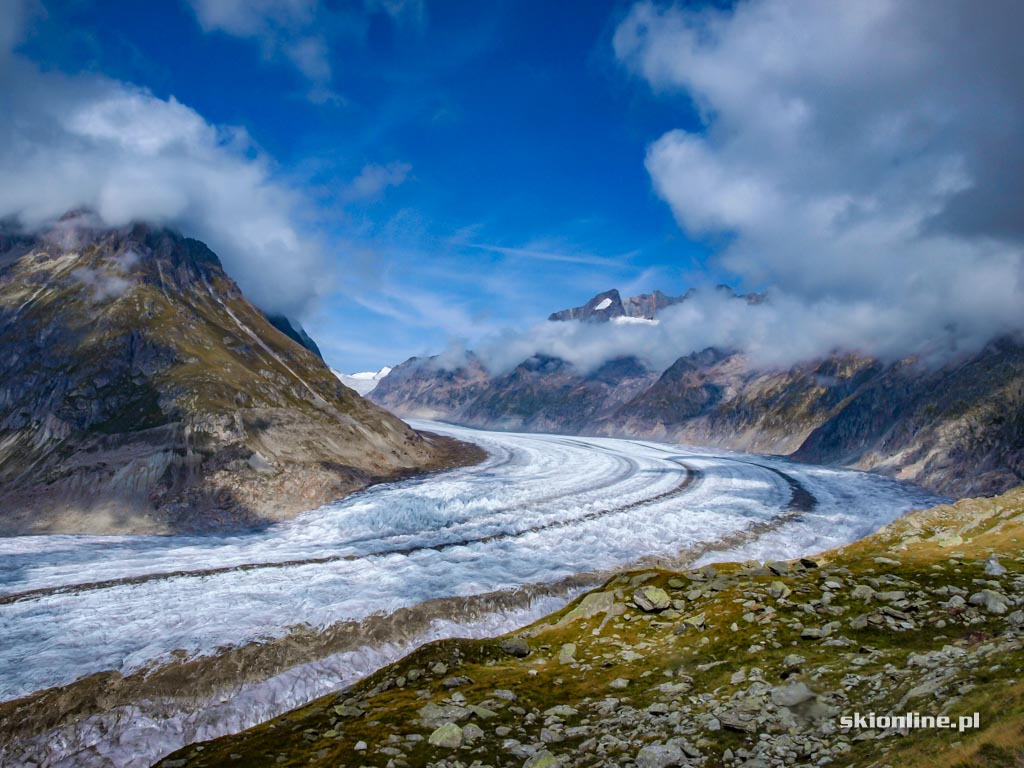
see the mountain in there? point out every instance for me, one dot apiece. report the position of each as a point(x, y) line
point(609, 305)
point(142, 392)
point(294, 331)
point(957, 429)
point(732, 664)
point(363, 382)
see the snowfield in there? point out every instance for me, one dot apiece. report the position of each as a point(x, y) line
point(541, 510)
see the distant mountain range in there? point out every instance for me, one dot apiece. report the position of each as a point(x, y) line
point(141, 391)
point(957, 429)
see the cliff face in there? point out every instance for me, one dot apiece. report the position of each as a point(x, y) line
point(142, 392)
point(957, 429)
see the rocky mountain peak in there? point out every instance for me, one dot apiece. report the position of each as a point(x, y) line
point(609, 305)
point(142, 391)
point(602, 308)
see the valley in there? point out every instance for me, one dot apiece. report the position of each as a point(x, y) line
point(121, 649)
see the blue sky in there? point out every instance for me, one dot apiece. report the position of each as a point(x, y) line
point(409, 176)
point(519, 139)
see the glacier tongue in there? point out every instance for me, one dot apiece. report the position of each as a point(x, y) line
point(540, 510)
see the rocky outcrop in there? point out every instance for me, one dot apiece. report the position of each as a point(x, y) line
point(142, 392)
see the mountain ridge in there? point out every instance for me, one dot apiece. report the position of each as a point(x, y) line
point(955, 428)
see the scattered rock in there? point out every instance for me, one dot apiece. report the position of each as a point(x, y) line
point(792, 695)
point(651, 599)
point(660, 756)
point(515, 646)
point(990, 600)
point(541, 759)
point(448, 735)
point(567, 653)
point(779, 590)
point(993, 566)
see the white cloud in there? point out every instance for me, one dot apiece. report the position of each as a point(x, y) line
point(865, 159)
point(285, 28)
point(301, 31)
point(129, 155)
point(253, 18)
point(373, 180)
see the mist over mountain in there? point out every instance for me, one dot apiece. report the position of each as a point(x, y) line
point(952, 421)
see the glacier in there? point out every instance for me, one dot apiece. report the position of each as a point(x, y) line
point(550, 510)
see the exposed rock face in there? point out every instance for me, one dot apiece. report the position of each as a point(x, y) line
point(421, 388)
point(142, 392)
point(609, 305)
point(958, 429)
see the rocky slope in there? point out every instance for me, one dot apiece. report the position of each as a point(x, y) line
point(142, 392)
point(738, 664)
point(957, 429)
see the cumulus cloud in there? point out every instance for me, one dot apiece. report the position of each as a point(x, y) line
point(86, 140)
point(373, 180)
point(864, 160)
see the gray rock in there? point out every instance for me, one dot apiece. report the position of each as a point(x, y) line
point(515, 646)
point(433, 715)
point(567, 653)
point(792, 695)
point(652, 599)
point(779, 590)
point(541, 759)
point(561, 711)
point(448, 735)
point(660, 756)
point(990, 600)
point(993, 566)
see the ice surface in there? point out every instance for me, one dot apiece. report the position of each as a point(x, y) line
point(540, 509)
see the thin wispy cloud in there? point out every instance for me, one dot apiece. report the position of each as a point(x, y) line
point(286, 29)
point(616, 262)
point(373, 180)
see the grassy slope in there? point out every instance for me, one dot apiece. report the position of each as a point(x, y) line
point(887, 653)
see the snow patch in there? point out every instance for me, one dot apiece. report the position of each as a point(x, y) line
point(603, 304)
point(363, 382)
